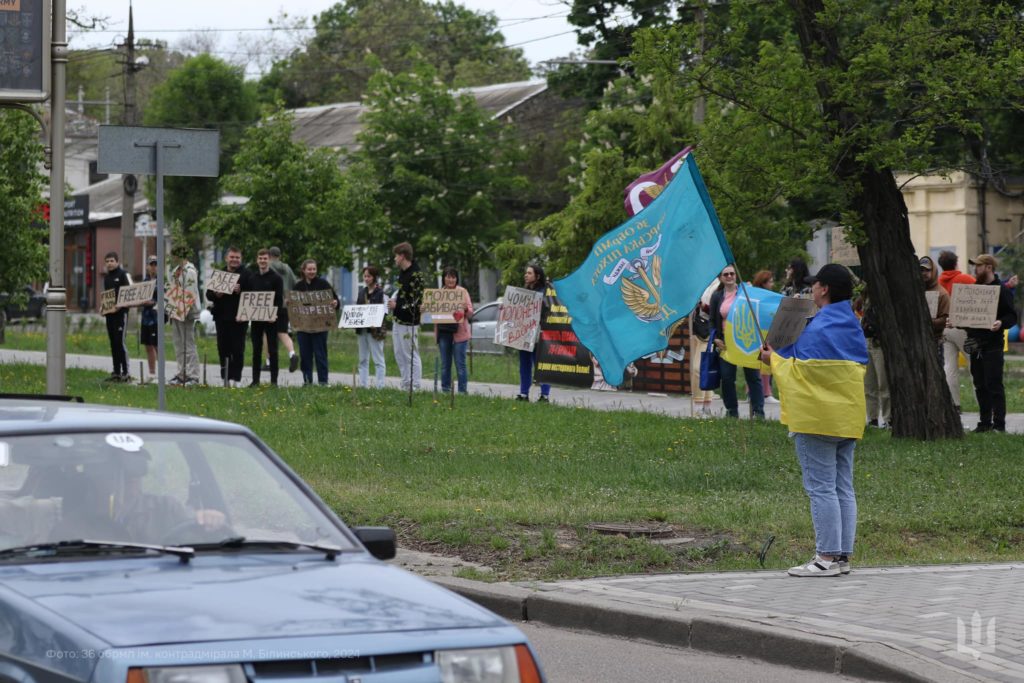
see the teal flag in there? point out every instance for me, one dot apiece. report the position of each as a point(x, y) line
point(646, 274)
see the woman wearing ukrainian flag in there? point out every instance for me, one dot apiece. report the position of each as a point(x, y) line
point(821, 386)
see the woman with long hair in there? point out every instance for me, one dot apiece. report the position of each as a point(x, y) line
point(796, 279)
point(371, 340)
point(453, 338)
point(722, 302)
point(535, 279)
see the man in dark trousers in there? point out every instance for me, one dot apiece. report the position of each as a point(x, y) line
point(115, 278)
point(405, 307)
point(313, 345)
point(230, 332)
point(265, 280)
point(985, 349)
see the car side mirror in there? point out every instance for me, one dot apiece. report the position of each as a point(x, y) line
point(379, 540)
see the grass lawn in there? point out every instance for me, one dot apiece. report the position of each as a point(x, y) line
point(514, 485)
point(342, 351)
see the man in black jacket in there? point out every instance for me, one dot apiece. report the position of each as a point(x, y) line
point(405, 307)
point(265, 280)
point(114, 279)
point(985, 348)
point(230, 332)
point(313, 344)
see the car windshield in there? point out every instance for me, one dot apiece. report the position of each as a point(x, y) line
point(151, 487)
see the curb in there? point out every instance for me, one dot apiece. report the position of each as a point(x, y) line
point(705, 631)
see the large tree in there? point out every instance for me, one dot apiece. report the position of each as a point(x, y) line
point(24, 256)
point(204, 92)
point(446, 171)
point(464, 47)
point(296, 198)
point(857, 90)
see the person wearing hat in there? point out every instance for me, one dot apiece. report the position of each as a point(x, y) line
point(821, 386)
point(183, 309)
point(148, 320)
point(985, 349)
point(930, 278)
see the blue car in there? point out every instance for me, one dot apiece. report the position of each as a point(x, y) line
point(138, 546)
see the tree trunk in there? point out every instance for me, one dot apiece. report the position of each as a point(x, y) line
point(921, 405)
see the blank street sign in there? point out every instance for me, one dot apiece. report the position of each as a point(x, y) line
point(183, 151)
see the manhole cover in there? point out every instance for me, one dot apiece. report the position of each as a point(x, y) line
point(632, 529)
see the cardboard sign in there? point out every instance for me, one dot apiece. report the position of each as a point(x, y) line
point(363, 315)
point(108, 301)
point(519, 318)
point(180, 302)
point(974, 306)
point(139, 294)
point(223, 282)
point(561, 357)
point(441, 304)
point(790, 321)
point(841, 251)
point(311, 311)
point(932, 299)
point(256, 306)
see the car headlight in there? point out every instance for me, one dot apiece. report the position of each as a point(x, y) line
point(488, 665)
point(227, 673)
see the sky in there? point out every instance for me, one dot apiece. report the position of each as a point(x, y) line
point(537, 26)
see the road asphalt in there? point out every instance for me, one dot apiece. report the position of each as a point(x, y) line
point(923, 623)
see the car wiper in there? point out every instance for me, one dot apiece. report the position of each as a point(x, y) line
point(90, 547)
point(240, 542)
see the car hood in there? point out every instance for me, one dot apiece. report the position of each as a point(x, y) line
point(151, 601)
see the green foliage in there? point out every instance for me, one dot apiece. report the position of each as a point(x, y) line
point(464, 47)
point(24, 256)
point(204, 92)
point(298, 199)
point(442, 165)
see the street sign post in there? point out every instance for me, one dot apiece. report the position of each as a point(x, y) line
point(159, 152)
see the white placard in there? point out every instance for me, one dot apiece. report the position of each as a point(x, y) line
point(974, 306)
point(363, 315)
point(932, 299)
point(519, 318)
point(223, 282)
point(257, 306)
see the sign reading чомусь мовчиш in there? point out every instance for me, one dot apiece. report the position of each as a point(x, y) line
point(24, 50)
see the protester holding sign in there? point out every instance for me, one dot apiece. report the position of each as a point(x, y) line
point(535, 279)
point(230, 331)
point(722, 301)
point(288, 280)
point(313, 345)
point(453, 338)
point(183, 305)
point(930, 277)
point(115, 278)
point(953, 339)
point(264, 280)
point(405, 307)
point(149, 319)
point(371, 339)
point(985, 348)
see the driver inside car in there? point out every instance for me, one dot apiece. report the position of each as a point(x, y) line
point(150, 517)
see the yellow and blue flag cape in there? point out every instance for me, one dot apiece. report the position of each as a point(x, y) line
point(742, 343)
point(821, 376)
point(646, 274)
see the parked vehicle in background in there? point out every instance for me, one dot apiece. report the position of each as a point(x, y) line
point(142, 546)
point(33, 306)
point(482, 326)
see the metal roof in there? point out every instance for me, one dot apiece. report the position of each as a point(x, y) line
point(336, 125)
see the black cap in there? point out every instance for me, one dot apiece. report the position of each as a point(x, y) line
point(152, 259)
point(831, 274)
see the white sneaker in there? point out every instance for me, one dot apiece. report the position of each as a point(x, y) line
point(770, 399)
point(818, 566)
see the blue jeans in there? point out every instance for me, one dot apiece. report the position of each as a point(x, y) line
point(753, 377)
point(313, 345)
point(827, 466)
point(527, 359)
point(451, 349)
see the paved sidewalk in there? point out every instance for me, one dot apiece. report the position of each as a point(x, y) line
point(674, 405)
point(936, 623)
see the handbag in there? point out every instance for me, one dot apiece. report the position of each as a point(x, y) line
point(700, 324)
point(710, 366)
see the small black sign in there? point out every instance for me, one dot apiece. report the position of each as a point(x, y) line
point(76, 211)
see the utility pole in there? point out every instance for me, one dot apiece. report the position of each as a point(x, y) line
point(129, 118)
